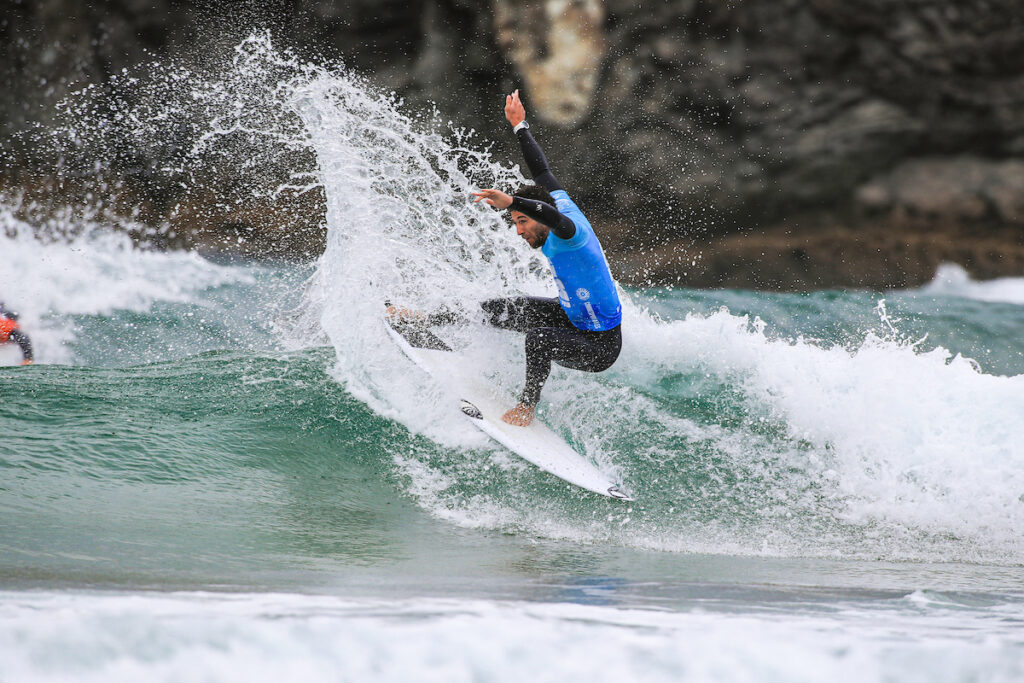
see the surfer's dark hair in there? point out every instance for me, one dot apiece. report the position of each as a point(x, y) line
point(535, 192)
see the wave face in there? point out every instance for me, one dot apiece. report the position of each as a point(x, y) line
point(239, 418)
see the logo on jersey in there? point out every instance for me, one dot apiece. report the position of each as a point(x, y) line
point(582, 294)
point(563, 295)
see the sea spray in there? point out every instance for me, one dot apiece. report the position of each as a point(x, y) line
point(401, 224)
point(401, 229)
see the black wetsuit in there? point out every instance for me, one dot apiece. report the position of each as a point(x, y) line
point(550, 335)
point(17, 336)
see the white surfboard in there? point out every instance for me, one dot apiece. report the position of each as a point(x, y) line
point(484, 406)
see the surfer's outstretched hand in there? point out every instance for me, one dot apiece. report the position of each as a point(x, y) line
point(495, 198)
point(520, 416)
point(515, 112)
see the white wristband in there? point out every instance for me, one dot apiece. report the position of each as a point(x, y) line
point(520, 125)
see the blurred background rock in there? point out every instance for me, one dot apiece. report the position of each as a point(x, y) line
point(777, 144)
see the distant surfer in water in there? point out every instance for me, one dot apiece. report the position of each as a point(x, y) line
point(581, 329)
point(10, 333)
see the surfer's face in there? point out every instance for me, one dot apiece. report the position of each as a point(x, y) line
point(530, 230)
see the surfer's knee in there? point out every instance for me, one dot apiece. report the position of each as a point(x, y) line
point(494, 307)
point(538, 342)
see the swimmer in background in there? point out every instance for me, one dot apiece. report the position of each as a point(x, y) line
point(11, 333)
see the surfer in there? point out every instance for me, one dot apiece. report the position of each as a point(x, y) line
point(10, 333)
point(581, 328)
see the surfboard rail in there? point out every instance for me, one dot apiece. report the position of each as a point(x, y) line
point(481, 403)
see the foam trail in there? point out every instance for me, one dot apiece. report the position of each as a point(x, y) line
point(272, 637)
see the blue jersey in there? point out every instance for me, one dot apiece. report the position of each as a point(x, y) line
point(586, 289)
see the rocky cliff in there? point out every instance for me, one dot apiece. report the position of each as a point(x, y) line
point(772, 143)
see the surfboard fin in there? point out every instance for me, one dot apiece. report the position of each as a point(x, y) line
point(616, 492)
point(470, 410)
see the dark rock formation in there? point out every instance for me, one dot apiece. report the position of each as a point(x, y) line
point(885, 132)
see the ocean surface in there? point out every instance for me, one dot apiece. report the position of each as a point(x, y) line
point(226, 471)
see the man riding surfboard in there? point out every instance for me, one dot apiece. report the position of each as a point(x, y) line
point(581, 329)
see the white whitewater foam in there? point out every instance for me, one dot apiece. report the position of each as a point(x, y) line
point(907, 441)
point(952, 280)
point(275, 637)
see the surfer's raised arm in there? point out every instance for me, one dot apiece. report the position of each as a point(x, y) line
point(540, 211)
point(515, 112)
point(581, 328)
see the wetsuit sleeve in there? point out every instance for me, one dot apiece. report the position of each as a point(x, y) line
point(22, 340)
point(543, 212)
point(537, 162)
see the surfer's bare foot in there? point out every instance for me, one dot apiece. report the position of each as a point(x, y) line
point(520, 416)
point(405, 315)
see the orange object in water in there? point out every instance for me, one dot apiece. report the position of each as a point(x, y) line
point(6, 327)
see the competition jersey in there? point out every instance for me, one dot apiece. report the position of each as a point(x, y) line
point(7, 325)
point(586, 289)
